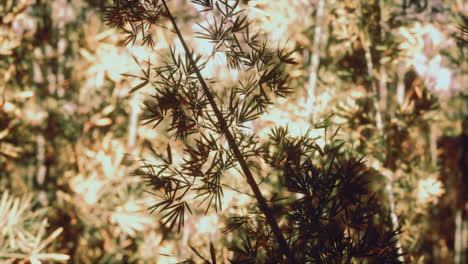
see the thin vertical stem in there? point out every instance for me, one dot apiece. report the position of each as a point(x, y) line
point(370, 72)
point(310, 98)
point(461, 204)
point(400, 86)
point(458, 247)
point(133, 124)
point(40, 157)
point(266, 210)
point(379, 124)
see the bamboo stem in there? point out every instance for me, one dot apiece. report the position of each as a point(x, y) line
point(133, 124)
point(40, 157)
point(370, 72)
point(310, 98)
point(266, 210)
point(379, 124)
point(400, 87)
point(458, 247)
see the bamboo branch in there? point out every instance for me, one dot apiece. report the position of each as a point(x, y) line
point(266, 210)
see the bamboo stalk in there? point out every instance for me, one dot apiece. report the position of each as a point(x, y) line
point(458, 247)
point(40, 157)
point(133, 124)
point(380, 128)
point(266, 210)
point(461, 204)
point(379, 124)
point(400, 87)
point(370, 72)
point(315, 61)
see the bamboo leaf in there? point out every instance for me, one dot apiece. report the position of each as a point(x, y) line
point(139, 86)
point(212, 253)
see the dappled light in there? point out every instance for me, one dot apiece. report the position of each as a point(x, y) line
point(233, 131)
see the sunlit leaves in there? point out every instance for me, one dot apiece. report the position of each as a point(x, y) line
point(23, 234)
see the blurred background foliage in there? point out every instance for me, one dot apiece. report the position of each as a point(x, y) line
point(391, 74)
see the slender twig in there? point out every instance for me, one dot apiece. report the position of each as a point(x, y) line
point(266, 210)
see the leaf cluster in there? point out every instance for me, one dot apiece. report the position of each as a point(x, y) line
point(179, 98)
point(331, 216)
point(329, 219)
